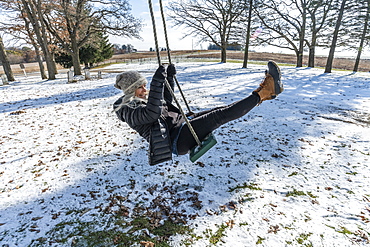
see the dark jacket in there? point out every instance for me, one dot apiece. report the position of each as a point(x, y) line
point(151, 119)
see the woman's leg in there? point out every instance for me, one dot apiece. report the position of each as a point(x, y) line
point(205, 123)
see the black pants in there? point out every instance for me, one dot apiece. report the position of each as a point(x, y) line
point(205, 122)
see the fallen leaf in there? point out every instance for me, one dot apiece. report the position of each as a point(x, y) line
point(147, 244)
point(36, 218)
point(230, 223)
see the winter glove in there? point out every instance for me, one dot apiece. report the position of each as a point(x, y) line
point(171, 70)
point(160, 74)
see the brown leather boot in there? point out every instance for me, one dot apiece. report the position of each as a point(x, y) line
point(271, 85)
point(266, 89)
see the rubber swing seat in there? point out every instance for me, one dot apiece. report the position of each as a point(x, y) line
point(197, 151)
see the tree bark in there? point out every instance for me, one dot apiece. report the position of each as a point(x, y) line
point(246, 49)
point(53, 62)
point(223, 54)
point(75, 57)
point(302, 35)
point(5, 61)
point(329, 62)
point(41, 63)
point(311, 53)
point(223, 50)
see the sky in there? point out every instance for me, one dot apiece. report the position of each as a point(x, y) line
point(140, 9)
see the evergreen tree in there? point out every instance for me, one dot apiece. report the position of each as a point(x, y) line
point(96, 52)
point(64, 59)
point(92, 53)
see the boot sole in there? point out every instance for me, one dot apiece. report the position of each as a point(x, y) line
point(274, 71)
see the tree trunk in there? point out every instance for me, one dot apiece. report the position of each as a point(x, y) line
point(357, 62)
point(312, 51)
point(40, 34)
point(300, 56)
point(246, 49)
point(223, 54)
point(39, 60)
point(329, 62)
point(5, 61)
point(301, 36)
point(54, 63)
point(76, 58)
point(76, 64)
point(34, 44)
point(311, 57)
point(48, 57)
point(41, 65)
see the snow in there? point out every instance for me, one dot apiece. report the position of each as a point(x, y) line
point(292, 172)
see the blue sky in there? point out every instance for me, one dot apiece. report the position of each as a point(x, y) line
point(140, 9)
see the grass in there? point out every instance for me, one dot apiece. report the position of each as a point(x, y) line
point(112, 231)
point(260, 239)
point(303, 237)
point(245, 186)
point(295, 193)
point(215, 238)
point(360, 235)
point(300, 193)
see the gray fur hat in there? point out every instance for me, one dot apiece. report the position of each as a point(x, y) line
point(128, 82)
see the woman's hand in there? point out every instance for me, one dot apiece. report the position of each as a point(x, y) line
point(160, 74)
point(171, 70)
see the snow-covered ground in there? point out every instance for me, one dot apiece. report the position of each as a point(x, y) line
point(293, 172)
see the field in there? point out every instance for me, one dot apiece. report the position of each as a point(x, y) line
point(294, 171)
point(289, 59)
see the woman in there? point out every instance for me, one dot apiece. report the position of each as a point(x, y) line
point(156, 119)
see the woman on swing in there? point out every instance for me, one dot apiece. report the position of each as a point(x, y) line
point(161, 123)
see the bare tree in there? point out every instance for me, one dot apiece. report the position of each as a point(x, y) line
point(329, 62)
point(32, 40)
point(74, 23)
point(285, 22)
point(18, 25)
point(318, 12)
point(361, 29)
point(5, 62)
point(35, 11)
point(210, 20)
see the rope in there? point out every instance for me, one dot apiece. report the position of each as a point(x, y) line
point(155, 32)
point(169, 54)
point(166, 82)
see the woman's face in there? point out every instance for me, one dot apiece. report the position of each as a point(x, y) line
point(141, 92)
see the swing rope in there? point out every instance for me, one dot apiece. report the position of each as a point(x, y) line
point(169, 54)
point(166, 82)
point(154, 32)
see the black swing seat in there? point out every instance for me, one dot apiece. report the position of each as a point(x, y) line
point(197, 151)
